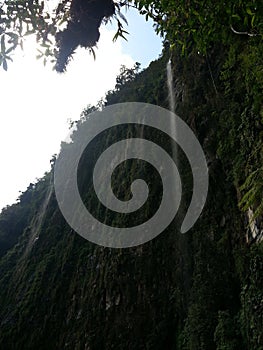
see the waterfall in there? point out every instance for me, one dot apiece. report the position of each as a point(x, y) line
point(34, 231)
point(38, 220)
point(171, 95)
point(182, 242)
point(170, 86)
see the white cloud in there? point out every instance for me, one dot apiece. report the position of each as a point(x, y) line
point(36, 102)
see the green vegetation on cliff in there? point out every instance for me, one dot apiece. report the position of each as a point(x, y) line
point(200, 290)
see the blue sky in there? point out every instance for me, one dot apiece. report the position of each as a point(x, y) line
point(37, 103)
point(143, 44)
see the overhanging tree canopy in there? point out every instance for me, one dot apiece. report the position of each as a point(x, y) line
point(73, 23)
point(59, 32)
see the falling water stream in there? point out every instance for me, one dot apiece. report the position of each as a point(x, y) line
point(35, 229)
point(170, 84)
point(173, 129)
point(38, 220)
point(182, 241)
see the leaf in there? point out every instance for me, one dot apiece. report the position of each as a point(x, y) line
point(115, 37)
point(123, 17)
point(10, 49)
point(121, 34)
point(125, 32)
point(140, 6)
point(9, 58)
point(236, 16)
point(4, 64)
point(93, 53)
point(3, 44)
point(249, 12)
point(253, 21)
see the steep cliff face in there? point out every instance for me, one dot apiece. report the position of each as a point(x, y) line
point(201, 290)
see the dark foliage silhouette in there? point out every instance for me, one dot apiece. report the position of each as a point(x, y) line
point(82, 29)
